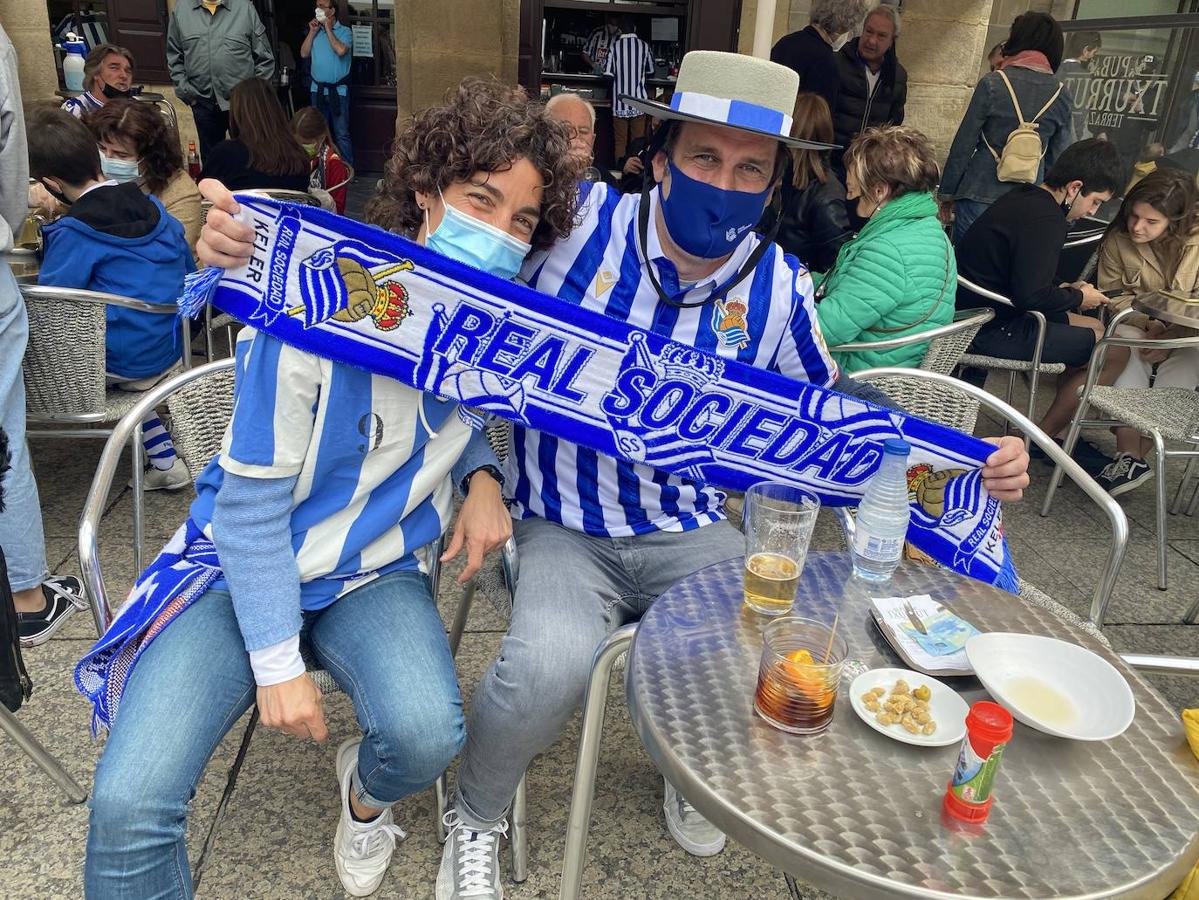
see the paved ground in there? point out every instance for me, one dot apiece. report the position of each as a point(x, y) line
point(276, 839)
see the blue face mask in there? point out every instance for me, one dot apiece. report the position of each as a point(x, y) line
point(477, 244)
point(120, 170)
point(706, 221)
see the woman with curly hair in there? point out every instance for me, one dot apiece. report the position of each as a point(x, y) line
point(898, 276)
point(136, 142)
point(329, 484)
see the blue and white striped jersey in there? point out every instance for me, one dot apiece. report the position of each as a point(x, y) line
point(629, 61)
point(767, 320)
point(373, 484)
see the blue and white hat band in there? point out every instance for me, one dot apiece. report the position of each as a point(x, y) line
point(736, 113)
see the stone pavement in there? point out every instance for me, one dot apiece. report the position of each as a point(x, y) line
point(276, 839)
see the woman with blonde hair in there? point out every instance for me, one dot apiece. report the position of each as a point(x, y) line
point(815, 222)
point(898, 276)
point(1151, 245)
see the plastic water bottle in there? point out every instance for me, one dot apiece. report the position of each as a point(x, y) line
point(72, 63)
point(882, 520)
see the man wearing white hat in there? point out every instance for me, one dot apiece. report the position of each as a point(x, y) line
point(599, 539)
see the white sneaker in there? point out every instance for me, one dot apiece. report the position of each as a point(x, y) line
point(470, 862)
point(171, 479)
point(361, 850)
point(693, 832)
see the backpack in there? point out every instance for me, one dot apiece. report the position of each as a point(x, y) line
point(1020, 159)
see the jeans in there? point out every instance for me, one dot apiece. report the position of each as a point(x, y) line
point(573, 590)
point(339, 124)
point(964, 214)
point(21, 535)
point(383, 643)
point(212, 123)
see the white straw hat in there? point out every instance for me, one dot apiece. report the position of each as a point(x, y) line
point(734, 90)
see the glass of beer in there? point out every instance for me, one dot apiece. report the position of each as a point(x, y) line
point(778, 525)
point(798, 676)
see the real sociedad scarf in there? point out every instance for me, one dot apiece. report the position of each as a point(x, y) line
point(362, 296)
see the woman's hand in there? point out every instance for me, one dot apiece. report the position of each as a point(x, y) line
point(295, 707)
point(313, 27)
point(1005, 475)
point(484, 524)
point(40, 198)
point(224, 241)
point(1091, 298)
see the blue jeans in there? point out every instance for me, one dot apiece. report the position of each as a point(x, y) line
point(339, 124)
point(384, 644)
point(964, 214)
point(21, 535)
point(573, 590)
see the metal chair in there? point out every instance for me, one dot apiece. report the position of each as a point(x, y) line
point(65, 383)
point(1162, 413)
point(1033, 368)
point(201, 404)
point(1080, 254)
point(946, 343)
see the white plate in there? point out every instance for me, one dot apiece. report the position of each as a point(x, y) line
point(1098, 701)
point(946, 707)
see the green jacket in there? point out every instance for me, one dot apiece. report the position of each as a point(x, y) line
point(897, 277)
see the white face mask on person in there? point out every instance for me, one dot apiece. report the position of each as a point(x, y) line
point(120, 170)
point(474, 242)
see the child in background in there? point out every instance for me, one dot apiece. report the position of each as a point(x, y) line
point(329, 170)
point(115, 239)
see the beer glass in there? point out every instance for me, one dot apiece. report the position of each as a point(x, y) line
point(778, 525)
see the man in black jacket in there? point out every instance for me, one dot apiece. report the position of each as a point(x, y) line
point(1013, 249)
point(874, 86)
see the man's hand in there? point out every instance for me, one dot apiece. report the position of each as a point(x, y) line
point(484, 524)
point(1005, 476)
point(633, 166)
point(1091, 298)
point(294, 707)
point(224, 241)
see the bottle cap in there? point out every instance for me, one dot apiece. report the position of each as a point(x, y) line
point(965, 812)
point(897, 446)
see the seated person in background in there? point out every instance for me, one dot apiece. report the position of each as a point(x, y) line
point(579, 116)
point(632, 167)
point(897, 276)
point(107, 75)
point(261, 151)
point(113, 238)
point(1152, 245)
point(1013, 249)
point(138, 144)
point(329, 170)
point(815, 223)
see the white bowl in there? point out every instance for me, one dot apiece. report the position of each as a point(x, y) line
point(1053, 686)
point(947, 708)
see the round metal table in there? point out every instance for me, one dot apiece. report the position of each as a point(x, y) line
point(858, 814)
point(1185, 313)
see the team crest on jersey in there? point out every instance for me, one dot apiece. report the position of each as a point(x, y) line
point(730, 322)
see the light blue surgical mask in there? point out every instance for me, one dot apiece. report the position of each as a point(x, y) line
point(475, 243)
point(119, 170)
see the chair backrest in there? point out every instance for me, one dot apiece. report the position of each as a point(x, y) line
point(945, 352)
point(981, 291)
point(64, 360)
point(915, 379)
point(1080, 249)
point(200, 412)
point(946, 343)
point(302, 197)
point(191, 389)
point(940, 403)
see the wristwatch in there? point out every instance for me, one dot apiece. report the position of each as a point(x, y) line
point(489, 469)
